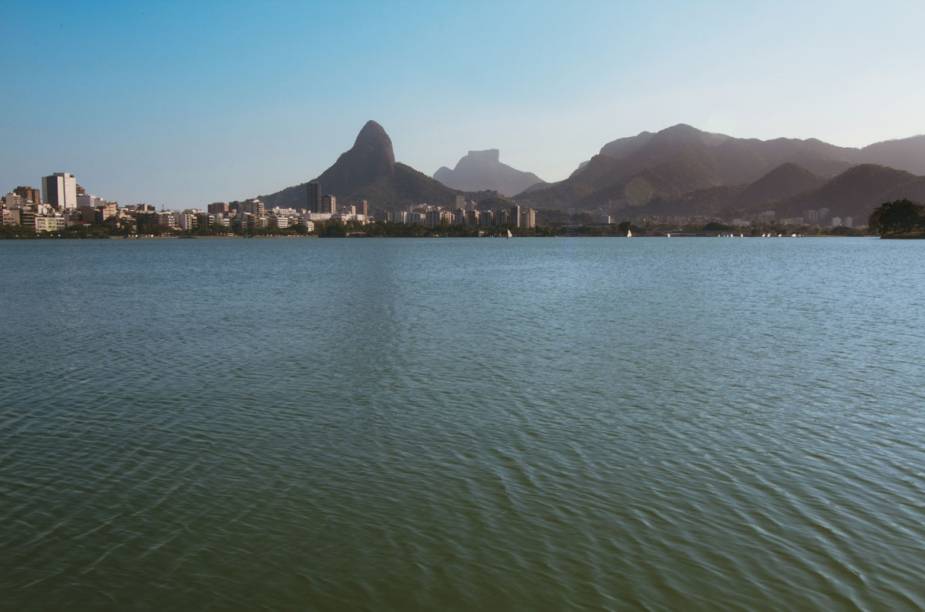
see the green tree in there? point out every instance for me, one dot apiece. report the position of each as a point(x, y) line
point(897, 217)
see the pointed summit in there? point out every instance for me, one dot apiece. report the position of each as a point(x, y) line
point(368, 171)
point(373, 140)
point(370, 158)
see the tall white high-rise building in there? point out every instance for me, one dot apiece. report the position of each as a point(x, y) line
point(60, 190)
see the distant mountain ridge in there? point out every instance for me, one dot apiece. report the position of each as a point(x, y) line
point(688, 171)
point(484, 171)
point(677, 171)
point(857, 191)
point(784, 181)
point(368, 171)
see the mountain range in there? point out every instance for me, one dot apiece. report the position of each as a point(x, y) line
point(483, 170)
point(685, 171)
point(677, 171)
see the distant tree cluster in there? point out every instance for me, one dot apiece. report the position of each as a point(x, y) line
point(901, 217)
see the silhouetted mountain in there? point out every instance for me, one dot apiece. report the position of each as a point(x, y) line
point(905, 154)
point(631, 172)
point(784, 181)
point(368, 171)
point(483, 170)
point(857, 192)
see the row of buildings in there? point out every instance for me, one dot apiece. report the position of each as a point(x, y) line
point(465, 212)
point(66, 204)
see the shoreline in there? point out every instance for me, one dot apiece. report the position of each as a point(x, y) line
point(316, 237)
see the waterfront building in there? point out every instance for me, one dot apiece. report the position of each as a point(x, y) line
point(247, 220)
point(10, 216)
point(848, 222)
point(167, 219)
point(255, 207)
point(433, 217)
point(528, 218)
point(186, 221)
point(486, 218)
point(218, 208)
point(13, 200)
point(52, 223)
point(60, 190)
point(88, 214)
point(363, 208)
point(836, 221)
point(108, 209)
point(397, 216)
point(328, 204)
point(313, 196)
point(515, 218)
point(29, 194)
point(26, 217)
point(87, 200)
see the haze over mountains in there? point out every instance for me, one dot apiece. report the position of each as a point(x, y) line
point(684, 171)
point(677, 171)
point(483, 170)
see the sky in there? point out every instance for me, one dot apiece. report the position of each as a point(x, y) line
point(180, 104)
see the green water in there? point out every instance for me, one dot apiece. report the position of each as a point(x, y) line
point(528, 424)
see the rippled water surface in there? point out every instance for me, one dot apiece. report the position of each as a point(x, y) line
point(462, 424)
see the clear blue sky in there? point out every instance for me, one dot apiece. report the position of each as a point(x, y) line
point(184, 103)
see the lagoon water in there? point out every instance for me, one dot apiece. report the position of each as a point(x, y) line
point(528, 424)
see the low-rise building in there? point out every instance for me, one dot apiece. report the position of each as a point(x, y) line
point(55, 223)
point(167, 219)
point(11, 216)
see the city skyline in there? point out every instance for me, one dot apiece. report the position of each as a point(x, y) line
point(159, 108)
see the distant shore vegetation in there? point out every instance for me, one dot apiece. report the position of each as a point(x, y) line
point(898, 219)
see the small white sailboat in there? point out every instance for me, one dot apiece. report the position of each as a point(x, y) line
point(509, 234)
point(629, 233)
point(669, 235)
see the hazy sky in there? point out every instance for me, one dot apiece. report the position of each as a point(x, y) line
point(184, 103)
